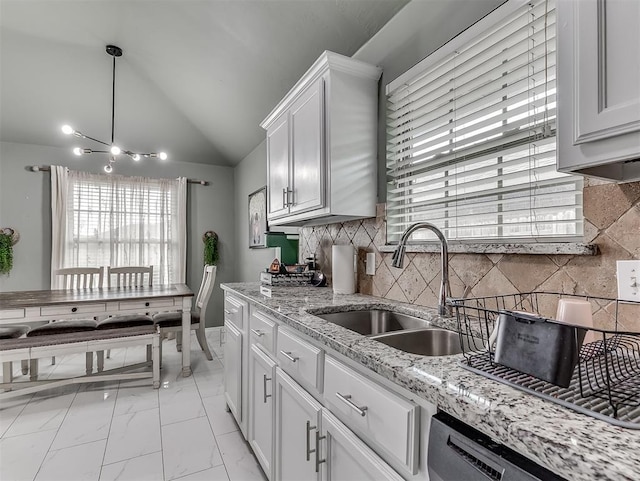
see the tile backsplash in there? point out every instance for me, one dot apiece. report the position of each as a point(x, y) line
point(612, 222)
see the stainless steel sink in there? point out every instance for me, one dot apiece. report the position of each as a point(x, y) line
point(374, 321)
point(426, 342)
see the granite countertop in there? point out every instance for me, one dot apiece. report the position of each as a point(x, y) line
point(571, 444)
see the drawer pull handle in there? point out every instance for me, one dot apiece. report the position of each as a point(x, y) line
point(74, 309)
point(289, 356)
point(147, 304)
point(232, 311)
point(317, 450)
point(257, 333)
point(264, 387)
point(346, 398)
point(309, 450)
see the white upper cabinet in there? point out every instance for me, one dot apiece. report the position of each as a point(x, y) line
point(322, 145)
point(599, 88)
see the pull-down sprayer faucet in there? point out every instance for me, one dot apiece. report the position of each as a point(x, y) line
point(398, 257)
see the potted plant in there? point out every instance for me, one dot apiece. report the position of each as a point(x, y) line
point(8, 237)
point(210, 240)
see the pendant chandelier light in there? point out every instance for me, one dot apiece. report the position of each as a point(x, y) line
point(114, 149)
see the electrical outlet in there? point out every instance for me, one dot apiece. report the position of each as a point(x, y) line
point(370, 263)
point(629, 280)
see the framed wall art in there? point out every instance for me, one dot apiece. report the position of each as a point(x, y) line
point(258, 218)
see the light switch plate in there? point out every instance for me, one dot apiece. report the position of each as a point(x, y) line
point(629, 280)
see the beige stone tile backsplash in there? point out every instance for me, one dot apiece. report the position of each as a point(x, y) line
point(612, 221)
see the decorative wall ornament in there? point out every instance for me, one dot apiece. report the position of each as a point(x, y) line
point(8, 238)
point(211, 255)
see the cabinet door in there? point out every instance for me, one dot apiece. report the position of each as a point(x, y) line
point(608, 68)
point(297, 419)
point(344, 456)
point(233, 370)
point(261, 372)
point(307, 160)
point(278, 167)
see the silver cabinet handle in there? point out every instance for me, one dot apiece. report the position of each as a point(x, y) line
point(264, 387)
point(285, 197)
point(292, 201)
point(317, 450)
point(346, 398)
point(309, 450)
point(233, 311)
point(257, 333)
point(289, 356)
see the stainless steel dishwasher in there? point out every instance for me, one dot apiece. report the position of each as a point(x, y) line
point(458, 452)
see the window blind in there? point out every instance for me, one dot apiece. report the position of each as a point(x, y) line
point(121, 221)
point(471, 136)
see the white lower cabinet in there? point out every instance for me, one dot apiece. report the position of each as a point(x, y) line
point(261, 406)
point(233, 370)
point(343, 456)
point(312, 444)
point(297, 421)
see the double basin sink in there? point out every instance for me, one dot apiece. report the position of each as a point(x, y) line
point(403, 332)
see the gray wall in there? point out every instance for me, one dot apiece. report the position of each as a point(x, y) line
point(25, 206)
point(250, 175)
point(415, 32)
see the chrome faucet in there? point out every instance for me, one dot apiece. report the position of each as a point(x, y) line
point(398, 257)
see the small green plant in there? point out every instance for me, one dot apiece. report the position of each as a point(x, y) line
point(210, 240)
point(6, 252)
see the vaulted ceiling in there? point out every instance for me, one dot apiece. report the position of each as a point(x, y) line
point(196, 77)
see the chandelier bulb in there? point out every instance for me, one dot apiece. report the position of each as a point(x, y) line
point(67, 129)
point(115, 150)
point(135, 157)
point(163, 156)
point(77, 151)
point(108, 169)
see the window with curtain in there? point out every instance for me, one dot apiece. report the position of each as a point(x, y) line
point(471, 136)
point(113, 220)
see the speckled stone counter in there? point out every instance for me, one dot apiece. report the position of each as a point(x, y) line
point(573, 445)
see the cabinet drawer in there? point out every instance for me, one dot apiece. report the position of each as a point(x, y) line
point(157, 303)
point(12, 314)
point(378, 414)
point(71, 309)
point(233, 311)
point(301, 360)
point(262, 331)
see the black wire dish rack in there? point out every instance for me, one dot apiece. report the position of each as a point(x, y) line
point(604, 381)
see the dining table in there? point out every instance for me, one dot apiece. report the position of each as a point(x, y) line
point(24, 307)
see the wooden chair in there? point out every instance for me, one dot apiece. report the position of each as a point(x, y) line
point(172, 321)
point(81, 277)
point(72, 278)
point(129, 276)
point(122, 277)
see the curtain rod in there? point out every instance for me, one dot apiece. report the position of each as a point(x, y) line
point(47, 168)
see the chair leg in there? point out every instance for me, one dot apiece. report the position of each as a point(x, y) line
point(202, 340)
point(89, 360)
point(108, 353)
point(179, 341)
point(149, 352)
point(25, 366)
point(53, 360)
point(33, 369)
point(100, 357)
point(160, 352)
point(154, 350)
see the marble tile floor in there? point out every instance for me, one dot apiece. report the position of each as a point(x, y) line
point(127, 431)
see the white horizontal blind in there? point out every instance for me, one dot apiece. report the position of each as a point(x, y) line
point(472, 137)
point(123, 221)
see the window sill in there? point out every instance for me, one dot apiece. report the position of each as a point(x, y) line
point(559, 248)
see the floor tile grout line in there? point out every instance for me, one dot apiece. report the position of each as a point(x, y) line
point(106, 444)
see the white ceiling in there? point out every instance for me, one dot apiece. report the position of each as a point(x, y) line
point(196, 77)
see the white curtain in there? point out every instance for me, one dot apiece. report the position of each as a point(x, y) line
point(112, 220)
